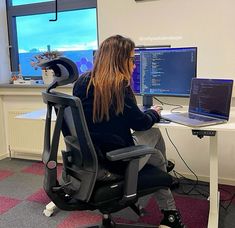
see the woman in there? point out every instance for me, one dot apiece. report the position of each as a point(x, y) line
point(111, 112)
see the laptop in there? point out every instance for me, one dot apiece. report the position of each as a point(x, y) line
point(209, 103)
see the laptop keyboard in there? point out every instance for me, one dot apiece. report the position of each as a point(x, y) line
point(196, 117)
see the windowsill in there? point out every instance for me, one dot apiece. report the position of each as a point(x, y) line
point(8, 85)
point(7, 89)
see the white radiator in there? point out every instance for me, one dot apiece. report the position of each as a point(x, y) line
point(26, 136)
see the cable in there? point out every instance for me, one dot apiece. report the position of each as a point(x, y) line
point(183, 162)
point(196, 190)
point(184, 182)
point(201, 191)
point(162, 103)
point(172, 110)
point(181, 156)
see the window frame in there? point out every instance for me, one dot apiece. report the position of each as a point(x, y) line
point(34, 9)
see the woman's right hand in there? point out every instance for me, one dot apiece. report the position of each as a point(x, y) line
point(157, 108)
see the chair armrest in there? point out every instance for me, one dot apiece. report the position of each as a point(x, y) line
point(130, 152)
point(132, 155)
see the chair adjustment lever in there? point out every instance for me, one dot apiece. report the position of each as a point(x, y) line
point(58, 188)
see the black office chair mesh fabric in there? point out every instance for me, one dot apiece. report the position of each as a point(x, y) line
point(80, 188)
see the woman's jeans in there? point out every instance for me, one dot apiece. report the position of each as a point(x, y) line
point(153, 137)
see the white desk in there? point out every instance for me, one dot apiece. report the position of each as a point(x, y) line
point(213, 153)
point(39, 114)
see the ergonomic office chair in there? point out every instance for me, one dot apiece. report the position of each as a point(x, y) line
point(80, 188)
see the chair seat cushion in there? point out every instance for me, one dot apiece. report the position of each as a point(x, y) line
point(150, 179)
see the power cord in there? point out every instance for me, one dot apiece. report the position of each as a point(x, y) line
point(197, 187)
point(196, 181)
point(165, 103)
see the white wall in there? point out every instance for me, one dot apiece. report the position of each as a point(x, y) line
point(209, 25)
point(4, 56)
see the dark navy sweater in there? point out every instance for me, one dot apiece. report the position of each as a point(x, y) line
point(115, 133)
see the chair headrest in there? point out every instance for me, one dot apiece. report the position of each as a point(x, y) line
point(65, 71)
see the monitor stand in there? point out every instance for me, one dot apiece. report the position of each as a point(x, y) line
point(147, 101)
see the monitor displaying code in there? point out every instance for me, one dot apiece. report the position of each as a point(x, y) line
point(167, 71)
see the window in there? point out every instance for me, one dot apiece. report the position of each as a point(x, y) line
point(23, 2)
point(31, 32)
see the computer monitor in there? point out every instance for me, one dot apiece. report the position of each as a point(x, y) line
point(136, 73)
point(167, 72)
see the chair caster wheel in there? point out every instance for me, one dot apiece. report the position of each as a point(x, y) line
point(48, 213)
point(142, 211)
point(50, 207)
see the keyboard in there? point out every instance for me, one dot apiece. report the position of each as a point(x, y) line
point(192, 120)
point(196, 117)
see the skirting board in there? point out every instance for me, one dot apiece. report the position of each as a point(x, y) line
point(2, 156)
point(31, 156)
point(207, 179)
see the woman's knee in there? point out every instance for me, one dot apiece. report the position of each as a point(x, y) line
point(160, 144)
point(157, 159)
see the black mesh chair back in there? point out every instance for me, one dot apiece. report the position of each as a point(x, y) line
point(70, 118)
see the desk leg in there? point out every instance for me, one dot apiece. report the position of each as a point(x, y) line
point(214, 200)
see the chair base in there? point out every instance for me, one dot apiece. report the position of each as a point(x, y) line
point(122, 225)
point(108, 222)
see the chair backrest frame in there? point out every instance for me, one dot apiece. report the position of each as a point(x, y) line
point(70, 121)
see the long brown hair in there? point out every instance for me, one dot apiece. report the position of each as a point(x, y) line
point(110, 75)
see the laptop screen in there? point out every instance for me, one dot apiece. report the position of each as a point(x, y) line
point(211, 97)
